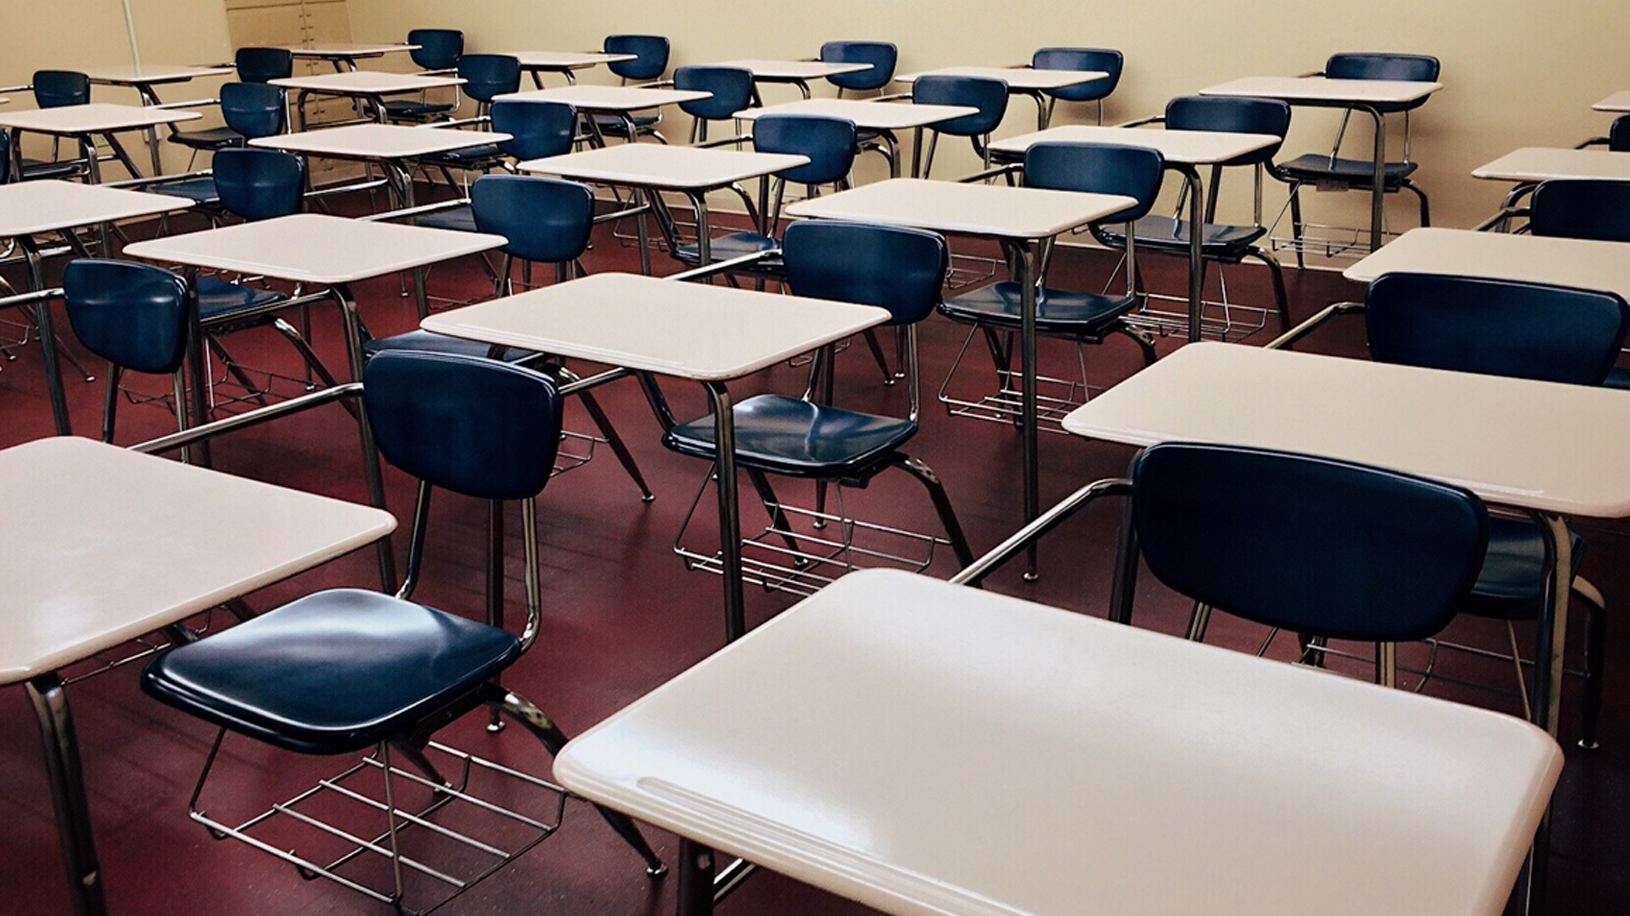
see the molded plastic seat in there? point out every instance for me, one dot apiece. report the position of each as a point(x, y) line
point(1359, 173)
point(352, 669)
point(731, 88)
point(734, 245)
point(259, 65)
point(796, 438)
point(649, 63)
point(426, 342)
point(439, 50)
point(258, 184)
point(1105, 60)
point(132, 315)
point(1581, 208)
point(250, 110)
point(219, 299)
point(199, 190)
point(1511, 584)
point(1168, 234)
point(458, 219)
point(1058, 312)
point(882, 55)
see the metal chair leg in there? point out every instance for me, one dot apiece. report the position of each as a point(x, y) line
point(772, 506)
point(917, 468)
point(1199, 620)
point(1280, 298)
point(1595, 647)
point(1297, 227)
point(110, 406)
point(877, 354)
point(1426, 208)
point(618, 448)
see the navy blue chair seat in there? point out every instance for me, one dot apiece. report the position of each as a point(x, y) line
point(1355, 172)
point(1217, 241)
point(219, 299)
point(415, 110)
point(795, 438)
point(208, 138)
point(353, 668)
point(473, 154)
point(613, 126)
point(1511, 583)
point(458, 219)
point(199, 190)
point(734, 245)
point(426, 342)
point(1058, 312)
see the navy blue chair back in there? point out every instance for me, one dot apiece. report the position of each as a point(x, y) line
point(489, 75)
point(253, 109)
point(881, 55)
point(1495, 327)
point(987, 95)
point(132, 315)
point(5, 156)
point(539, 128)
point(1308, 544)
point(1406, 67)
point(544, 219)
point(439, 49)
point(57, 88)
point(732, 89)
point(480, 427)
point(1618, 138)
point(828, 142)
point(1232, 115)
point(1098, 168)
point(257, 65)
point(902, 270)
point(650, 55)
point(1580, 208)
point(1101, 59)
point(258, 184)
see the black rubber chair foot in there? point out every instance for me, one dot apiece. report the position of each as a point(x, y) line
point(648, 498)
point(495, 727)
point(1589, 745)
point(657, 870)
point(1032, 576)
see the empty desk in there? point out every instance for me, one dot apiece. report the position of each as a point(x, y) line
point(82, 123)
point(617, 101)
point(1584, 263)
point(344, 55)
point(565, 63)
point(1020, 81)
point(393, 146)
point(366, 87)
point(792, 72)
point(883, 117)
point(1618, 102)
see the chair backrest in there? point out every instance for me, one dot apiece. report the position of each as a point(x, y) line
point(882, 55)
point(1581, 208)
point(1232, 115)
point(732, 89)
point(539, 128)
point(902, 270)
point(1495, 327)
point(257, 65)
point(1406, 67)
point(439, 49)
point(56, 88)
point(650, 55)
point(545, 219)
point(132, 315)
point(1098, 168)
point(254, 109)
point(480, 427)
point(489, 75)
point(5, 156)
point(987, 95)
point(1100, 59)
point(828, 142)
point(258, 184)
point(1618, 137)
point(1308, 544)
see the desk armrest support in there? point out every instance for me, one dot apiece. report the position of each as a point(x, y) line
point(1014, 169)
point(974, 573)
point(1289, 339)
point(421, 210)
point(252, 418)
point(1140, 122)
point(721, 267)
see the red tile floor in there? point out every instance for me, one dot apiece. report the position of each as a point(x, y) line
point(622, 615)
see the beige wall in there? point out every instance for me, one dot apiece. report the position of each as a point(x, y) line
point(1518, 72)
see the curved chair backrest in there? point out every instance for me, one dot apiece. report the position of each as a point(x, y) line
point(1308, 544)
point(504, 420)
point(1102, 59)
point(882, 55)
point(5, 156)
point(1495, 327)
point(258, 184)
point(257, 65)
point(902, 270)
point(1232, 115)
point(987, 95)
point(1581, 208)
point(489, 75)
point(539, 128)
point(828, 142)
point(1618, 138)
point(132, 315)
point(545, 219)
point(57, 88)
point(439, 49)
point(1098, 168)
point(650, 55)
point(1405, 67)
point(253, 109)
point(732, 89)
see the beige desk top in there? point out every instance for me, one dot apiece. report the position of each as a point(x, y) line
point(679, 168)
point(685, 330)
point(934, 750)
point(1192, 147)
point(367, 82)
point(1618, 101)
point(1324, 89)
point(346, 49)
point(27, 207)
point(1566, 262)
point(611, 98)
point(379, 141)
point(793, 69)
point(314, 248)
point(996, 211)
point(102, 545)
point(1538, 163)
point(1535, 445)
point(567, 60)
point(866, 115)
point(151, 74)
point(1018, 79)
point(94, 118)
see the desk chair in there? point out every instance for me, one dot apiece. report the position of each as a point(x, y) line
point(882, 55)
point(805, 438)
point(996, 310)
point(57, 89)
point(344, 670)
point(439, 52)
point(1582, 208)
point(1520, 330)
point(1225, 244)
point(1307, 544)
point(987, 95)
point(649, 63)
point(250, 110)
point(538, 129)
point(1330, 170)
point(136, 317)
point(486, 77)
point(1618, 137)
point(259, 65)
point(732, 89)
point(1103, 60)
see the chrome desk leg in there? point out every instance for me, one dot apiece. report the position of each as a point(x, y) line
point(695, 868)
point(1024, 275)
point(370, 452)
point(198, 374)
point(1378, 192)
point(48, 339)
point(704, 231)
point(917, 152)
point(724, 438)
point(1554, 629)
point(68, 794)
point(1197, 264)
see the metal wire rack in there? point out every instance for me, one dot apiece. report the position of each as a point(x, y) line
point(1055, 396)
